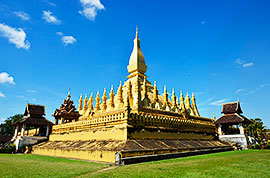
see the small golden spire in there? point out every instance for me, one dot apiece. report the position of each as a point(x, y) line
point(165, 96)
point(155, 92)
point(90, 102)
point(187, 102)
point(173, 99)
point(129, 93)
point(182, 103)
point(68, 96)
point(137, 31)
point(120, 93)
point(85, 103)
point(194, 107)
point(111, 101)
point(97, 107)
point(214, 117)
point(80, 103)
point(104, 101)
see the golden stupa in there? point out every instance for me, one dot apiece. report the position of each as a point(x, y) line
point(136, 124)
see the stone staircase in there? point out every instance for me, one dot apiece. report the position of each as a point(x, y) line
point(28, 140)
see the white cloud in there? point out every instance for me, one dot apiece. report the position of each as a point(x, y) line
point(248, 64)
point(218, 102)
point(6, 78)
point(59, 33)
point(20, 96)
point(2, 95)
point(239, 90)
point(68, 40)
point(31, 91)
point(90, 8)
point(49, 3)
point(15, 36)
point(22, 15)
point(49, 18)
point(243, 64)
point(34, 100)
point(257, 89)
point(238, 61)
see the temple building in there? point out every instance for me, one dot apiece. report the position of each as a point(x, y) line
point(132, 123)
point(33, 127)
point(231, 124)
point(67, 112)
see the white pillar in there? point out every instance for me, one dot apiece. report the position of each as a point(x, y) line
point(219, 130)
point(47, 131)
point(22, 131)
point(241, 129)
point(16, 131)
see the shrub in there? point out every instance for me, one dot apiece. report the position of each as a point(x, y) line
point(22, 148)
point(10, 149)
point(267, 146)
point(12, 146)
point(257, 146)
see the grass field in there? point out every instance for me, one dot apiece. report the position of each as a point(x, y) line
point(248, 163)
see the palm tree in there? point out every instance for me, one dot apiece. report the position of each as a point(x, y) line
point(256, 128)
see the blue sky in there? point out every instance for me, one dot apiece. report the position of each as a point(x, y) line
point(217, 49)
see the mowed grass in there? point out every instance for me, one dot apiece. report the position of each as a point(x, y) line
point(248, 163)
point(13, 166)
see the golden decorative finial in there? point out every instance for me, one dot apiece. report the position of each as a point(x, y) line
point(194, 107)
point(182, 103)
point(68, 96)
point(111, 100)
point(111, 94)
point(80, 103)
point(136, 31)
point(85, 102)
point(90, 102)
point(165, 96)
point(173, 98)
point(214, 117)
point(187, 102)
point(97, 107)
point(155, 92)
point(129, 93)
point(120, 93)
point(104, 101)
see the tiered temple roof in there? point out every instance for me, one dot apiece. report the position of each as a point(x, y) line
point(34, 115)
point(232, 114)
point(67, 110)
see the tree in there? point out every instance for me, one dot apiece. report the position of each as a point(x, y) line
point(8, 128)
point(257, 129)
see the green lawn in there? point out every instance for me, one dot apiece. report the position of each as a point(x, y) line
point(249, 163)
point(27, 166)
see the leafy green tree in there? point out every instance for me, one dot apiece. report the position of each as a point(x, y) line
point(257, 129)
point(7, 128)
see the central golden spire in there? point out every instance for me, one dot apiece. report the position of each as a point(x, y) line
point(136, 61)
